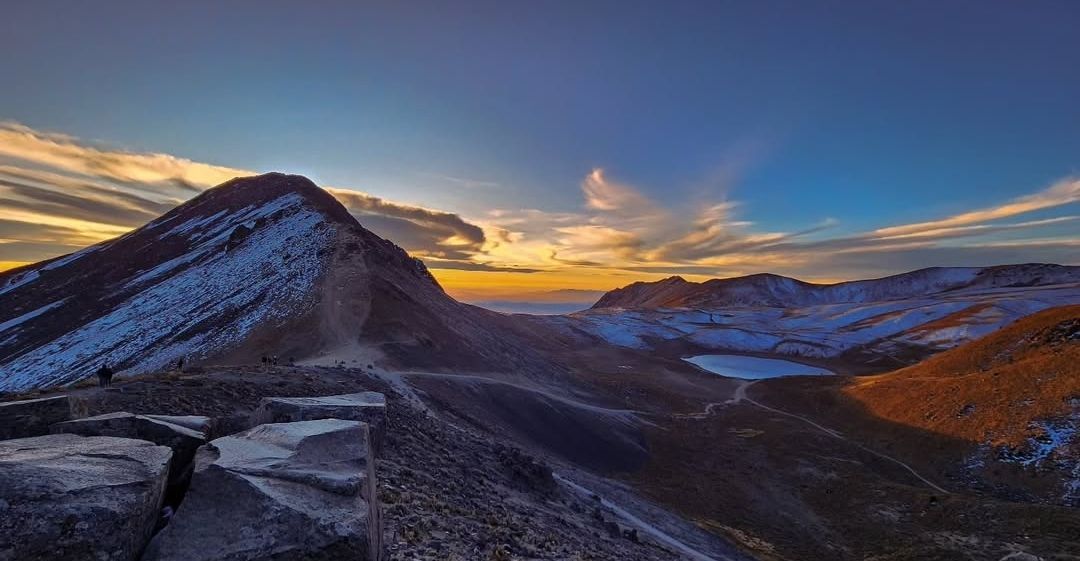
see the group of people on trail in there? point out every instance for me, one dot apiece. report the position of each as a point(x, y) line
point(105, 374)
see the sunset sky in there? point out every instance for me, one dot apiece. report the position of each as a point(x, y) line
point(522, 148)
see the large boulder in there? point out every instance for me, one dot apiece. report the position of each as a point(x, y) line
point(68, 497)
point(183, 441)
point(287, 492)
point(368, 407)
point(32, 417)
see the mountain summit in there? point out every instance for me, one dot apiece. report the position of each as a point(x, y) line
point(264, 265)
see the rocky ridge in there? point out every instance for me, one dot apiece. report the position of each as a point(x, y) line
point(269, 265)
point(446, 491)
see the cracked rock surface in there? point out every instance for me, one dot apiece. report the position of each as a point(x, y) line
point(68, 497)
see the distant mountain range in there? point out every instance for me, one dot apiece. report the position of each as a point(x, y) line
point(784, 292)
point(866, 325)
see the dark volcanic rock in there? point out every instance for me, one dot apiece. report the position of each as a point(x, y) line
point(288, 492)
point(197, 423)
point(367, 407)
point(68, 497)
point(182, 440)
point(32, 417)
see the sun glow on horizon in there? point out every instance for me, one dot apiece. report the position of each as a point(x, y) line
point(8, 265)
point(539, 286)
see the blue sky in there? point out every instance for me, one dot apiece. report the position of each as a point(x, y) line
point(859, 115)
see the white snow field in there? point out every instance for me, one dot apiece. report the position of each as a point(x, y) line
point(934, 323)
point(267, 278)
point(754, 368)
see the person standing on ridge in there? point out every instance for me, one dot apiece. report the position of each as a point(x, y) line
point(104, 375)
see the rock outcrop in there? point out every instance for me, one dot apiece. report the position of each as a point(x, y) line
point(197, 423)
point(32, 417)
point(68, 497)
point(287, 491)
point(367, 407)
point(182, 440)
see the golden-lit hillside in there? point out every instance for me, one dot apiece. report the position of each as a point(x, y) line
point(989, 390)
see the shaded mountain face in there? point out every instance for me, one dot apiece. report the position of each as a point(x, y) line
point(266, 265)
point(783, 292)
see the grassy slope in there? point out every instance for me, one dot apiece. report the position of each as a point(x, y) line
point(989, 390)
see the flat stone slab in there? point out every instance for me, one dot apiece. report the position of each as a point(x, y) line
point(196, 423)
point(183, 441)
point(368, 407)
point(284, 491)
point(68, 497)
point(32, 417)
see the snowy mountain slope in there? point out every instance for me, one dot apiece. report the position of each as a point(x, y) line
point(887, 322)
point(778, 291)
point(264, 265)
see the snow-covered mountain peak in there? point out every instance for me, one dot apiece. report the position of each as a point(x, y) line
point(270, 264)
point(196, 281)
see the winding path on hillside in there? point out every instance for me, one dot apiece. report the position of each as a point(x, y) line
point(740, 396)
point(474, 379)
point(628, 517)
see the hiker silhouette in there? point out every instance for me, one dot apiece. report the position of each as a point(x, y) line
point(105, 375)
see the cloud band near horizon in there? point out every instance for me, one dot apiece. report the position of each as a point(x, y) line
point(58, 194)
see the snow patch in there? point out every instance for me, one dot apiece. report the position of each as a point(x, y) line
point(826, 330)
point(1052, 448)
point(30, 315)
point(18, 280)
point(63, 261)
point(200, 310)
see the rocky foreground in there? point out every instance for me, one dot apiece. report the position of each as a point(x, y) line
point(132, 473)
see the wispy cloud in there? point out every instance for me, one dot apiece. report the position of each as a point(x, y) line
point(89, 193)
point(1063, 192)
point(622, 229)
point(466, 182)
point(605, 195)
point(65, 153)
point(54, 194)
point(450, 228)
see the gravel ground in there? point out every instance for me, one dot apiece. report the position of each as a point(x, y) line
point(452, 494)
